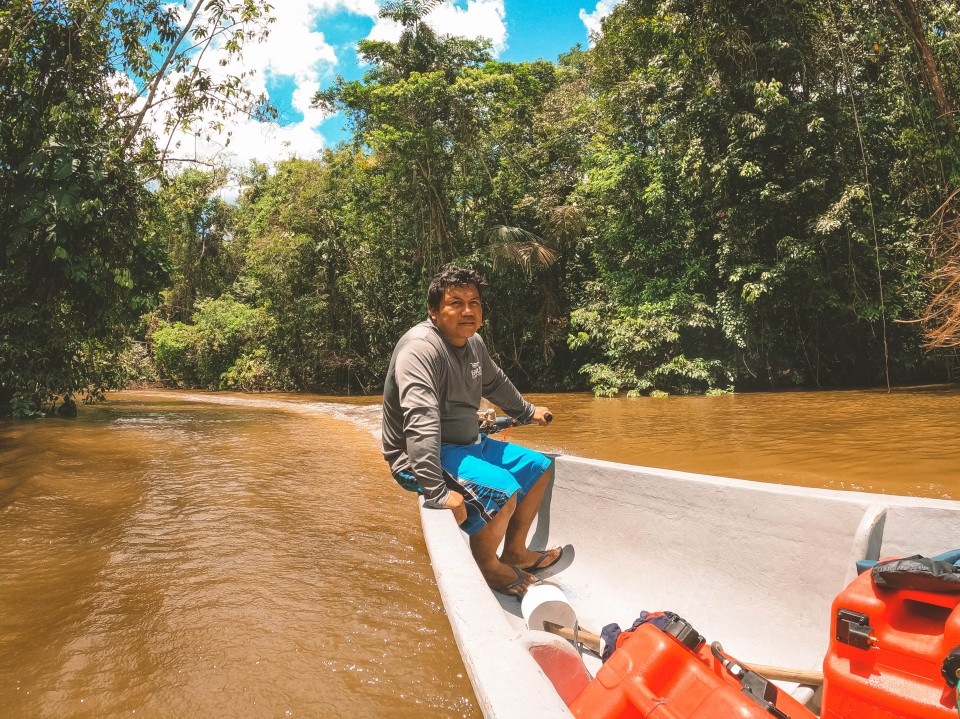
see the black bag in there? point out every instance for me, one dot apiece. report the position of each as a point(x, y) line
point(917, 572)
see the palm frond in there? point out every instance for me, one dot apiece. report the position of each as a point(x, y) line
point(514, 246)
point(565, 223)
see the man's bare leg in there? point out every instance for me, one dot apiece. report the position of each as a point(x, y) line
point(515, 550)
point(484, 545)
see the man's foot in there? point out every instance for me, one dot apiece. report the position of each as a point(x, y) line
point(519, 586)
point(534, 560)
point(547, 559)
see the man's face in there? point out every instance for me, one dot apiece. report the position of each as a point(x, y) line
point(459, 315)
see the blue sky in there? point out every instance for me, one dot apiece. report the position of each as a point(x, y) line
point(313, 41)
point(541, 29)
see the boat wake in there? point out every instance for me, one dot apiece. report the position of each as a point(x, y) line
point(365, 417)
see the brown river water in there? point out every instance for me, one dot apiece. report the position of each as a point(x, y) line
point(178, 554)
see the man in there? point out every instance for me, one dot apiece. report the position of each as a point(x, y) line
point(439, 371)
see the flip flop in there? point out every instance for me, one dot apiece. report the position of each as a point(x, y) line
point(539, 566)
point(514, 588)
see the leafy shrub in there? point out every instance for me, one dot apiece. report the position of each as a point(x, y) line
point(251, 373)
point(136, 364)
point(213, 352)
point(642, 348)
point(173, 353)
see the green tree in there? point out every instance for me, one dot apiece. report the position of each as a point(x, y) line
point(301, 252)
point(76, 268)
point(405, 110)
point(452, 143)
point(767, 160)
point(80, 267)
point(196, 226)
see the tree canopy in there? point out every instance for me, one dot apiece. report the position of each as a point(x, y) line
point(715, 196)
point(81, 266)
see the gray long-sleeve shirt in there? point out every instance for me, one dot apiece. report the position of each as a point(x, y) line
point(431, 396)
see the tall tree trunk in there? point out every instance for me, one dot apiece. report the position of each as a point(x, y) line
point(909, 16)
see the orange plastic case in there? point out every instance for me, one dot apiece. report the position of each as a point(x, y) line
point(654, 675)
point(886, 653)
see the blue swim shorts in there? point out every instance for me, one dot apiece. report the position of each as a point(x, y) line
point(487, 474)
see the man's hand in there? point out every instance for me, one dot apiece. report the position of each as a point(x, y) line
point(542, 416)
point(455, 502)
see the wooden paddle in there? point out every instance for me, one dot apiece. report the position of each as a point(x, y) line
point(809, 677)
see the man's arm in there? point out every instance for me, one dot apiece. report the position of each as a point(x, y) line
point(417, 381)
point(498, 389)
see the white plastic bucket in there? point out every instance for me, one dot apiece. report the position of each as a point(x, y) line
point(546, 603)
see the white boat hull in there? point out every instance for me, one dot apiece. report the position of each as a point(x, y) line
point(752, 565)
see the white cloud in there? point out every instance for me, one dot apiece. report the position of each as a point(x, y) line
point(297, 50)
point(480, 19)
point(593, 19)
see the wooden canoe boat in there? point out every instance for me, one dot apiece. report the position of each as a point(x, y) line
point(755, 566)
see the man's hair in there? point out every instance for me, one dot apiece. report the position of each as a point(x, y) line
point(452, 277)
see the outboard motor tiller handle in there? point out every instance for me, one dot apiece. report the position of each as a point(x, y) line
point(503, 423)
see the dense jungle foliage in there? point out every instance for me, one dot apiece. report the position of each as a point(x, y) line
point(716, 195)
point(81, 258)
